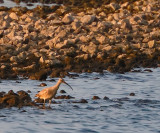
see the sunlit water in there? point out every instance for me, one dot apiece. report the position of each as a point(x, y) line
point(121, 114)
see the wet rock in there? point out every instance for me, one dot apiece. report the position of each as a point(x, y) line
point(38, 100)
point(95, 98)
point(24, 97)
point(132, 94)
point(62, 91)
point(64, 97)
point(2, 94)
point(81, 101)
point(148, 70)
point(10, 99)
point(105, 98)
point(43, 84)
point(28, 91)
point(18, 82)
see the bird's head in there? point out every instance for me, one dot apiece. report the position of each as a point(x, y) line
point(61, 80)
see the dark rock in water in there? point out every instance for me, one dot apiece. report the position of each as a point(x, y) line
point(38, 100)
point(105, 98)
point(9, 100)
point(2, 94)
point(64, 97)
point(13, 101)
point(29, 91)
point(132, 94)
point(18, 82)
point(23, 111)
point(81, 101)
point(19, 99)
point(95, 98)
point(24, 97)
point(72, 75)
point(148, 70)
point(11, 92)
point(43, 84)
point(62, 91)
point(136, 71)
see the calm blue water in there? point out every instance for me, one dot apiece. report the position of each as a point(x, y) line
point(121, 114)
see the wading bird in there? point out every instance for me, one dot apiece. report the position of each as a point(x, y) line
point(50, 92)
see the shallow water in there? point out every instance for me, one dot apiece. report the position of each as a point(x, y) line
point(122, 113)
point(8, 3)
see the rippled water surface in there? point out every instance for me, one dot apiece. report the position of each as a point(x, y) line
point(121, 113)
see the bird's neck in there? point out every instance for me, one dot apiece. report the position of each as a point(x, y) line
point(57, 85)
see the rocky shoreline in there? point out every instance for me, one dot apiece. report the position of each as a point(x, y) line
point(79, 37)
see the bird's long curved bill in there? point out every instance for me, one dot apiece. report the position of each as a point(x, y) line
point(68, 85)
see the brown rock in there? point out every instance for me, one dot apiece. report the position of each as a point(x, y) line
point(87, 19)
point(126, 25)
point(95, 98)
point(68, 18)
point(64, 97)
point(42, 75)
point(13, 16)
point(151, 44)
point(81, 101)
point(43, 84)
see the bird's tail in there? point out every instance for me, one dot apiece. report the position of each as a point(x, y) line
point(37, 95)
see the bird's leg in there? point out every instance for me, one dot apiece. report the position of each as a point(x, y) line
point(44, 103)
point(50, 102)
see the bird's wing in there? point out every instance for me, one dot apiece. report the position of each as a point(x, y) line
point(42, 92)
